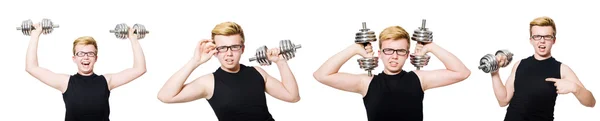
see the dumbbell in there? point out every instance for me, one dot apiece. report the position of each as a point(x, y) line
point(286, 48)
point(490, 63)
point(424, 36)
point(46, 25)
point(122, 31)
point(365, 37)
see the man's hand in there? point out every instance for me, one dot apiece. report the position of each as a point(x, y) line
point(564, 86)
point(204, 50)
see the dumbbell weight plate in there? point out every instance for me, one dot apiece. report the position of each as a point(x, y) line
point(26, 27)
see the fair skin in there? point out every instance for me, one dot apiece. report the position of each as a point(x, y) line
point(85, 65)
point(175, 91)
point(328, 73)
point(568, 83)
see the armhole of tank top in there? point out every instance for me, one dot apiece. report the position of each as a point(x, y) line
point(68, 84)
point(369, 86)
point(106, 82)
point(418, 80)
point(254, 70)
point(214, 88)
point(559, 68)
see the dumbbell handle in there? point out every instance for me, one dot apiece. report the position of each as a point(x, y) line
point(135, 31)
point(298, 46)
point(33, 28)
point(481, 66)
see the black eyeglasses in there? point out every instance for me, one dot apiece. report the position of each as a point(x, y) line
point(231, 47)
point(89, 54)
point(389, 51)
point(545, 37)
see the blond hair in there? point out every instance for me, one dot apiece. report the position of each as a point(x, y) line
point(394, 33)
point(85, 40)
point(227, 29)
point(543, 21)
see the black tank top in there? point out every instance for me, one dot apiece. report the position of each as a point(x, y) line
point(394, 97)
point(534, 98)
point(240, 96)
point(86, 98)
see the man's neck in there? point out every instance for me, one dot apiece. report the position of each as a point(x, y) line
point(234, 70)
point(391, 73)
point(539, 57)
point(85, 74)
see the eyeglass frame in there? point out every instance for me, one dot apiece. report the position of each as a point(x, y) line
point(92, 53)
point(397, 51)
point(230, 47)
point(543, 37)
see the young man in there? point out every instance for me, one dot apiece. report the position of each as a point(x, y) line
point(393, 94)
point(234, 91)
point(85, 94)
point(535, 81)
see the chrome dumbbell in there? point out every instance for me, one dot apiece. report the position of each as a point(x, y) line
point(122, 31)
point(365, 36)
point(491, 63)
point(424, 36)
point(287, 50)
point(46, 25)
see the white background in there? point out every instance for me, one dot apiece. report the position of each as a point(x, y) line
point(469, 29)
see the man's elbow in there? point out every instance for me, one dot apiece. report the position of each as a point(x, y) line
point(502, 104)
point(29, 70)
point(294, 100)
point(465, 74)
point(317, 76)
point(591, 105)
point(164, 99)
point(320, 77)
point(141, 70)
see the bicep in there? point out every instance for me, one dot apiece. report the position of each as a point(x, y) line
point(54, 80)
point(568, 74)
point(510, 82)
point(194, 90)
point(276, 89)
point(438, 78)
point(123, 77)
point(346, 82)
point(273, 86)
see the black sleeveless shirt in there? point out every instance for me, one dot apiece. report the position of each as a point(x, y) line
point(534, 98)
point(86, 98)
point(394, 97)
point(240, 96)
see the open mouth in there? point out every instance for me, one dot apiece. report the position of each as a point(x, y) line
point(85, 64)
point(229, 61)
point(542, 48)
point(393, 63)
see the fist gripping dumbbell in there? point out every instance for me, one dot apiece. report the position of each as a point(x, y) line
point(122, 31)
point(491, 63)
point(423, 36)
point(287, 50)
point(46, 25)
point(365, 37)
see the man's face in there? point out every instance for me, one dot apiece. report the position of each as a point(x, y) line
point(85, 58)
point(393, 54)
point(230, 49)
point(542, 38)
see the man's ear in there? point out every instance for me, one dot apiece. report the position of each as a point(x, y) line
point(73, 57)
point(532, 42)
point(379, 55)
